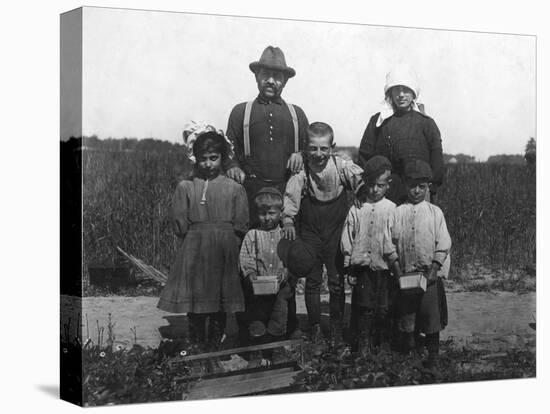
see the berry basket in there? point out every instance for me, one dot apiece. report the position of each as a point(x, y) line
point(265, 285)
point(413, 282)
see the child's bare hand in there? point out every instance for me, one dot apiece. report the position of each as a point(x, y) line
point(431, 276)
point(357, 202)
point(253, 277)
point(396, 270)
point(289, 231)
point(432, 273)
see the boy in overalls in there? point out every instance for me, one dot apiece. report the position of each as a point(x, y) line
point(317, 195)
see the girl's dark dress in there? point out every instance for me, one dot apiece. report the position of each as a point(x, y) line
point(205, 277)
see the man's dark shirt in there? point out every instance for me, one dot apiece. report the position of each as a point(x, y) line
point(271, 137)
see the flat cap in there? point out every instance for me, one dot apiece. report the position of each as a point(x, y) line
point(417, 169)
point(297, 256)
point(269, 190)
point(376, 166)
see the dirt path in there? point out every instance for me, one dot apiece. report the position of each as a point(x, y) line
point(488, 321)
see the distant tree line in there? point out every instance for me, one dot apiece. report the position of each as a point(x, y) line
point(350, 152)
point(458, 158)
point(129, 144)
point(531, 151)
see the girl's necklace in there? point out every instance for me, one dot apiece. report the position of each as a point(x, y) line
point(203, 198)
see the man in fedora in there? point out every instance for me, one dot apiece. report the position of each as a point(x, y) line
point(268, 135)
point(267, 132)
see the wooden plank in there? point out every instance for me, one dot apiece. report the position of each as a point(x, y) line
point(241, 373)
point(290, 342)
point(229, 388)
point(247, 376)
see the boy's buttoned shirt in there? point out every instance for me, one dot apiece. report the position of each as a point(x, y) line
point(366, 238)
point(420, 234)
point(258, 254)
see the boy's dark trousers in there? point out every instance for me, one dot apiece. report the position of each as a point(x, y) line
point(423, 312)
point(321, 224)
point(260, 307)
point(369, 320)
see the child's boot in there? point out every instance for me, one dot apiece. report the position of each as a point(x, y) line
point(216, 329)
point(407, 343)
point(197, 329)
point(336, 332)
point(366, 321)
point(432, 344)
point(317, 341)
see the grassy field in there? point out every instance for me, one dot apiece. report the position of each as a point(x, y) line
point(490, 211)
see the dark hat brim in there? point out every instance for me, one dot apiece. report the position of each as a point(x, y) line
point(414, 181)
point(282, 250)
point(297, 256)
point(287, 70)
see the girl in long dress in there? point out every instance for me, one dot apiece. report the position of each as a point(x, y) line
point(210, 216)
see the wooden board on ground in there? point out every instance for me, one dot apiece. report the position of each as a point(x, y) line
point(244, 384)
point(241, 381)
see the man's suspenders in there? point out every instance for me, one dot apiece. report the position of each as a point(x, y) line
point(295, 123)
point(246, 127)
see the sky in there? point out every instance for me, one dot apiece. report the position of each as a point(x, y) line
point(147, 73)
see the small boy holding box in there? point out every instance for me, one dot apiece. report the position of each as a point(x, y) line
point(259, 257)
point(422, 240)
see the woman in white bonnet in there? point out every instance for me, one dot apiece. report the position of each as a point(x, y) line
point(401, 131)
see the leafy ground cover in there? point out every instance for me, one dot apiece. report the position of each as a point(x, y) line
point(136, 375)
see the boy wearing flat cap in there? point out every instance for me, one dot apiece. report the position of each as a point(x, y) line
point(366, 245)
point(401, 131)
point(422, 242)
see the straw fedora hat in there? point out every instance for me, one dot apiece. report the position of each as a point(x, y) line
point(272, 58)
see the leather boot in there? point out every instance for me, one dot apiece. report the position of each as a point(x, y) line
point(432, 344)
point(316, 333)
point(197, 329)
point(317, 340)
point(216, 327)
point(336, 333)
point(313, 306)
point(365, 328)
point(408, 343)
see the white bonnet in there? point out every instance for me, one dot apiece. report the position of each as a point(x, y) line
point(402, 75)
point(191, 132)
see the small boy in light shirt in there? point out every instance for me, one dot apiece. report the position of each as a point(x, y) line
point(259, 257)
point(366, 244)
point(422, 240)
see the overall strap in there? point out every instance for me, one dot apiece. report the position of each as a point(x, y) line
point(295, 123)
point(339, 168)
point(246, 128)
point(256, 251)
point(308, 188)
